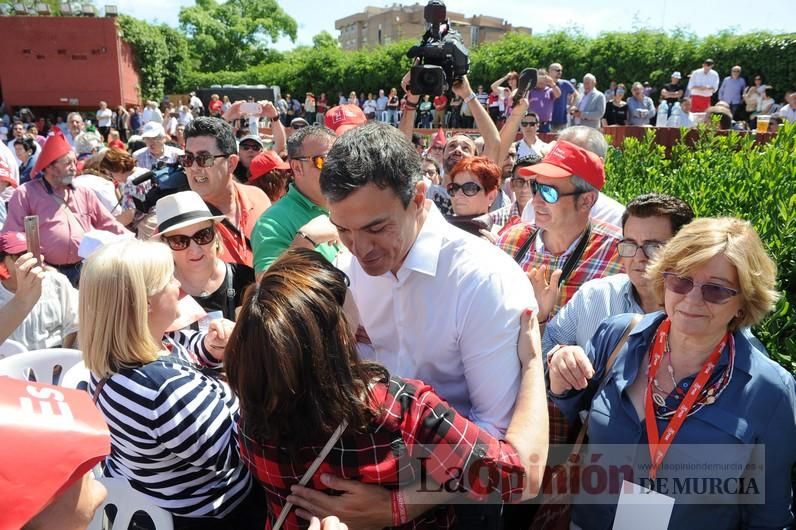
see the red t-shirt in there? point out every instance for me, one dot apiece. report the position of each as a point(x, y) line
point(440, 102)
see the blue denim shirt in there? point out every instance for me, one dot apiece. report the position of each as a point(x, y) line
point(758, 406)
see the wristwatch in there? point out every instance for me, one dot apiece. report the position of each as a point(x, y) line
point(469, 98)
point(308, 238)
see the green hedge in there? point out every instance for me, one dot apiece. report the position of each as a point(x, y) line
point(643, 55)
point(728, 175)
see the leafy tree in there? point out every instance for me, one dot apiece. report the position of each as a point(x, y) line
point(178, 59)
point(324, 39)
point(151, 54)
point(234, 35)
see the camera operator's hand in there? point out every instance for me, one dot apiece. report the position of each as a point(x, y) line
point(405, 83)
point(126, 217)
point(461, 87)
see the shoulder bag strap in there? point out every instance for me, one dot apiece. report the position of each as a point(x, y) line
point(230, 226)
point(525, 246)
point(229, 293)
point(574, 258)
point(312, 469)
point(608, 365)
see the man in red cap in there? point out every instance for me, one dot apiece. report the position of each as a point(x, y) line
point(300, 218)
point(565, 247)
point(343, 118)
point(65, 212)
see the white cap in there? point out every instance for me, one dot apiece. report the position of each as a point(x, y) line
point(678, 75)
point(96, 239)
point(153, 129)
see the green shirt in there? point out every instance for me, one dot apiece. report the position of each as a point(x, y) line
point(278, 226)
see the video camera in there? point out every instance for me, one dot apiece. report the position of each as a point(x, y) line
point(441, 58)
point(165, 179)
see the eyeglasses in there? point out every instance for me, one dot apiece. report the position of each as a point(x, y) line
point(318, 160)
point(628, 250)
point(711, 292)
point(519, 183)
point(202, 160)
point(529, 123)
point(297, 126)
point(550, 194)
point(470, 189)
point(430, 171)
point(203, 237)
point(251, 147)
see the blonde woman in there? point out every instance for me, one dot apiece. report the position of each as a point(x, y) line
point(172, 421)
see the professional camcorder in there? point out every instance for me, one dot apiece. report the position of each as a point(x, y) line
point(166, 179)
point(441, 58)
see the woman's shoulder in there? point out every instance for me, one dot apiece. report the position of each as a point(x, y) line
point(753, 358)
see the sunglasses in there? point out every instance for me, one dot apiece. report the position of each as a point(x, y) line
point(318, 160)
point(202, 160)
point(297, 126)
point(529, 123)
point(628, 250)
point(711, 292)
point(550, 194)
point(203, 237)
point(429, 171)
point(470, 189)
point(251, 147)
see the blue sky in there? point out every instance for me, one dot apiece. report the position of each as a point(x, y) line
point(593, 17)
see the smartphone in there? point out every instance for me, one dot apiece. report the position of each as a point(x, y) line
point(32, 236)
point(252, 108)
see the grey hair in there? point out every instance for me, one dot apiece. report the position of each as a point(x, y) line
point(590, 76)
point(296, 141)
point(637, 84)
point(586, 138)
point(581, 186)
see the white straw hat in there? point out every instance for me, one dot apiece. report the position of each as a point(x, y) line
point(181, 209)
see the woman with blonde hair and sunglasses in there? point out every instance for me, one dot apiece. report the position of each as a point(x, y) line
point(187, 226)
point(172, 419)
point(691, 385)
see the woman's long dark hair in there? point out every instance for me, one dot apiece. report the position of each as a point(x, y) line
point(292, 359)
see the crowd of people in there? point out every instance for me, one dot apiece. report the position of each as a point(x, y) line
point(342, 298)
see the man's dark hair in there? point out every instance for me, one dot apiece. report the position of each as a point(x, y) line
point(660, 205)
point(374, 153)
point(296, 141)
point(531, 113)
point(218, 129)
point(28, 143)
point(525, 161)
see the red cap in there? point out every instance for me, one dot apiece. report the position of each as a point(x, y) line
point(13, 242)
point(54, 148)
point(5, 174)
point(439, 138)
point(265, 162)
point(565, 160)
point(345, 117)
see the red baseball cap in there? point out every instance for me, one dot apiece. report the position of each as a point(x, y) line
point(343, 118)
point(567, 159)
point(265, 162)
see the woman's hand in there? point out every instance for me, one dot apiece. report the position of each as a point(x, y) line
point(529, 342)
point(569, 368)
point(218, 332)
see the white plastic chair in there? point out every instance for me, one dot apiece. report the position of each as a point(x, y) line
point(127, 502)
point(11, 347)
point(45, 366)
point(77, 377)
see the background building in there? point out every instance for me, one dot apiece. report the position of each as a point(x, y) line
point(383, 25)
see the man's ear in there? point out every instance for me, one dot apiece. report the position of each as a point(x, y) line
point(587, 200)
point(232, 163)
point(420, 193)
point(491, 196)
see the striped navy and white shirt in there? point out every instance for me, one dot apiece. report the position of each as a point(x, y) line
point(593, 302)
point(174, 431)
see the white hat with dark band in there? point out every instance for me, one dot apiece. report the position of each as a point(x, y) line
point(181, 209)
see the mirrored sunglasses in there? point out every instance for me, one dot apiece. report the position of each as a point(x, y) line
point(550, 194)
point(318, 160)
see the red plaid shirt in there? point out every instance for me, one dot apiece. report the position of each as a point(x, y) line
point(414, 424)
point(599, 259)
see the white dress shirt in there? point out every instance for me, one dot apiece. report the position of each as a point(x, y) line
point(450, 317)
point(701, 79)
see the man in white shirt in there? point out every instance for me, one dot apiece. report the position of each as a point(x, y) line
point(788, 112)
point(437, 304)
point(703, 83)
point(104, 119)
